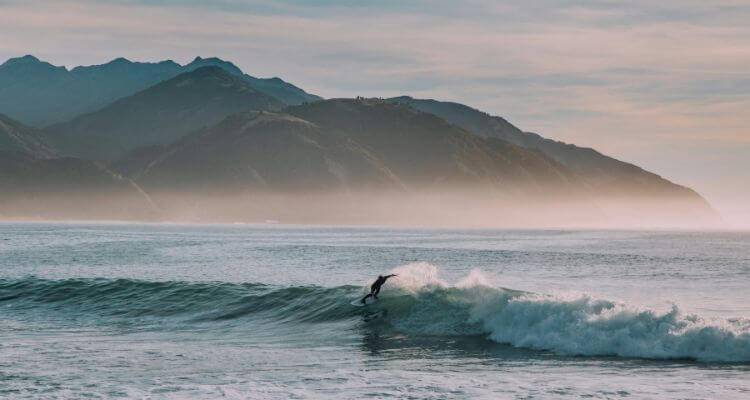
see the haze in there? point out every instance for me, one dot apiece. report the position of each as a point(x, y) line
point(665, 86)
point(448, 207)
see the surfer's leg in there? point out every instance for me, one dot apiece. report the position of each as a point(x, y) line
point(365, 298)
point(375, 292)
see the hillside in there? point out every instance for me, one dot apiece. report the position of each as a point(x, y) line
point(606, 175)
point(421, 148)
point(39, 94)
point(160, 114)
point(18, 138)
point(67, 188)
point(36, 183)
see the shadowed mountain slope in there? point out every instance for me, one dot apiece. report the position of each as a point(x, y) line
point(160, 114)
point(36, 184)
point(23, 173)
point(256, 150)
point(350, 144)
point(18, 138)
point(67, 188)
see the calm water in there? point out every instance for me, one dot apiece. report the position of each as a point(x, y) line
point(184, 311)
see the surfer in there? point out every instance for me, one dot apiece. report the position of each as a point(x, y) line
point(375, 287)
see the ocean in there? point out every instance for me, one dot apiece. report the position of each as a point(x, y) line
point(169, 311)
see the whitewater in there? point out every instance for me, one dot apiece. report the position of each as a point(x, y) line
point(262, 311)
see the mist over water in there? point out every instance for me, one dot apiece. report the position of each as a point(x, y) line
point(262, 311)
point(444, 207)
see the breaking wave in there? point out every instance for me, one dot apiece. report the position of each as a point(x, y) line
point(417, 303)
point(575, 326)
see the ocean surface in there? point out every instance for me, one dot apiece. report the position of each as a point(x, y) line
point(263, 312)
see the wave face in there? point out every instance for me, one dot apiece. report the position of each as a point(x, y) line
point(183, 301)
point(418, 302)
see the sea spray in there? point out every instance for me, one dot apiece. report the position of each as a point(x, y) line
point(587, 326)
point(580, 325)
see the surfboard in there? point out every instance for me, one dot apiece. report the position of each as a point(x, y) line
point(358, 302)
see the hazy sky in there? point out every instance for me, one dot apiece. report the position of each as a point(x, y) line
point(664, 84)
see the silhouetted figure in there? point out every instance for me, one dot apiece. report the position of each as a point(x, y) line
point(375, 287)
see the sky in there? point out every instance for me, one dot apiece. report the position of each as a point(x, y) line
point(664, 85)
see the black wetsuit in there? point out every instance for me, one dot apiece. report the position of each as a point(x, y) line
point(375, 287)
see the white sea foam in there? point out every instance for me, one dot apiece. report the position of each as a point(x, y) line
point(579, 325)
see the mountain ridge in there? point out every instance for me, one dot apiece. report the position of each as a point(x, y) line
point(40, 94)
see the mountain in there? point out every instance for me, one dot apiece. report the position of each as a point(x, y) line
point(40, 94)
point(160, 114)
point(420, 148)
point(205, 140)
point(35, 183)
point(606, 175)
point(374, 161)
point(353, 161)
point(254, 150)
point(345, 143)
